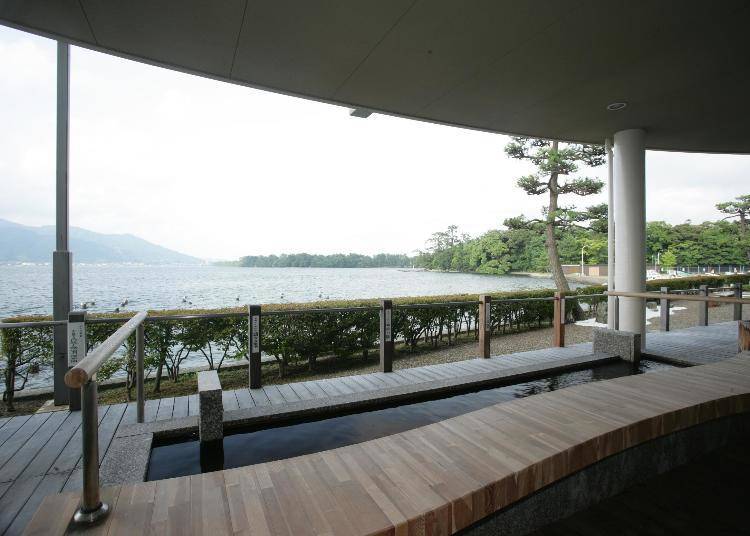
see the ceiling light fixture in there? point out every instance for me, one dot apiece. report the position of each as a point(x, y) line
point(614, 106)
point(360, 112)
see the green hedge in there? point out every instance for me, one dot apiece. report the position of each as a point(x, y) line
point(298, 340)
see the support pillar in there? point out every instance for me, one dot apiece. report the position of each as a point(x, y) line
point(62, 259)
point(629, 182)
point(611, 300)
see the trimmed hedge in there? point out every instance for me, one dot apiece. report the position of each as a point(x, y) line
point(299, 339)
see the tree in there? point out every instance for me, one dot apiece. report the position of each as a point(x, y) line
point(739, 208)
point(669, 259)
point(552, 162)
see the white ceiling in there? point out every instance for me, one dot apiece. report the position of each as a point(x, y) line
point(544, 68)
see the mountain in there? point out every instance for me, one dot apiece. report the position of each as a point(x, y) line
point(21, 243)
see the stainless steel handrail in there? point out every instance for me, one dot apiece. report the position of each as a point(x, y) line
point(85, 369)
point(83, 375)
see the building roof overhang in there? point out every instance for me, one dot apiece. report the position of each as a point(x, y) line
point(545, 68)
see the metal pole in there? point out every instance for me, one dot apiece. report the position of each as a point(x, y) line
point(61, 257)
point(611, 300)
point(664, 310)
point(703, 307)
point(737, 306)
point(140, 345)
point(92, 508)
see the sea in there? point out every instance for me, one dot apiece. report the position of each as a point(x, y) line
point(26, 289)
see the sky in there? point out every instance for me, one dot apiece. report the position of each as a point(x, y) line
point(219, 171)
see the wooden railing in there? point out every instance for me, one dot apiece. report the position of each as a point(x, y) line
point(666, 298)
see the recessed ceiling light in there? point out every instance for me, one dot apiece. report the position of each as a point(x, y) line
point(614, 106)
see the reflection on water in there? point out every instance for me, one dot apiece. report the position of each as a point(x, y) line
point(248, 448)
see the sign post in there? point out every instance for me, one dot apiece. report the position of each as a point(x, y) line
point(253, 345)
point(485, 325)
point(76, 351)
point(386, 336)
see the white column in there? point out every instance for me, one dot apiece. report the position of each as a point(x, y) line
point(611, 301)
point(629, 178)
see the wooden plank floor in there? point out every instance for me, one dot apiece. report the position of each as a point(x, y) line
point(696, 345)
point(698, 498)
point(40, 454)
point(436, 479)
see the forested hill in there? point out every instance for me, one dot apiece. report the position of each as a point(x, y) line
point(22, 243)
point(522, 249)
point(338, 260)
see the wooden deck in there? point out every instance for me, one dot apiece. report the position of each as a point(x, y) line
point(436, 479)
point(697, 345)
point(40, 454)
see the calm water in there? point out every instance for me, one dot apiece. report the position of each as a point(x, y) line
point(248, 448)
point(27, 289)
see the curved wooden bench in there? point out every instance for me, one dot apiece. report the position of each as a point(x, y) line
point(436, 479)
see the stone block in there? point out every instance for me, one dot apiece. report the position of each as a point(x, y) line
point(211, 407)
point(625, 344)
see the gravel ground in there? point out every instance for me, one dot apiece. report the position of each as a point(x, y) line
point(542, 338)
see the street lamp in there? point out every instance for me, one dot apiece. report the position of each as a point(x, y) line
point(582, 248)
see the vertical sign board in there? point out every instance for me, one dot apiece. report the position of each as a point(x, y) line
point(386, 336)
point(76, 351)
point(76, 337)
point(253, 344)
point(487, 317)
point(256, 334)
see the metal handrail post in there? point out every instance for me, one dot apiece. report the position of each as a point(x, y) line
point(616, 312)
point(737, 288)
point(140, 345)
point(703, 307)
point(664, 310)
point(92, 508)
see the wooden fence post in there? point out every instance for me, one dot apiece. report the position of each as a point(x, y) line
point(386, 336)
point(664, 311)
point(703, 307)
point(744, 335)
point(737, 306)
point(559, 320)
point(485, 325)
point(253, 345)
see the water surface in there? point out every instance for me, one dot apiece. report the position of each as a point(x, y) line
point(251, 447)
point(27, 288)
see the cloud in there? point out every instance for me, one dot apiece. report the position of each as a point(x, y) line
point(217, 170)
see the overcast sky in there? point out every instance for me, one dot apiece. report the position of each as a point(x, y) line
point(219, 171)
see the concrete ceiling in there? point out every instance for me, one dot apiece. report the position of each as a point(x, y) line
point(545, 68)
